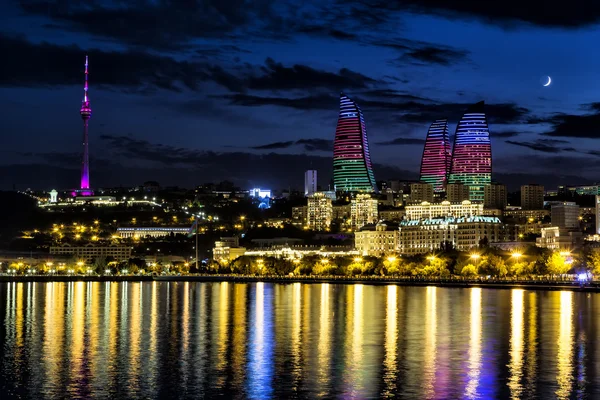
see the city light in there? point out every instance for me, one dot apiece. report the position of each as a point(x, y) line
point(358, 259)
point(475, 256)
point(391, 258)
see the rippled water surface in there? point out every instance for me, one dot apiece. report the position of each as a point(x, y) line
point(261, 340)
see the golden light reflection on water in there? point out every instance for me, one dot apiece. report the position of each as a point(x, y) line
point(429, 366)
point(391, 341)
point(239, 335)
point(516, 343)
point(135, 324)
point(474, 364)
point(324, 346)
point(564, 375)
point(244, 340)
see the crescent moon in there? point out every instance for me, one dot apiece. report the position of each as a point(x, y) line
point(549, 81)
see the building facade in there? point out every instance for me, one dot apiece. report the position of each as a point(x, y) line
point(227, 249)
point(133, 232)
point(494, 196)
point(472, 152)
point(299, 215)
point(377, 239)
point(392, 215)
point(363, 211)
point(464, 233)
point(437, 156)
point(565, 215)
point(532, 197)
point(556, 238)
point(443, 209)
point(90, 251)
point(310, 182)
point(319, 212)
point(457, 192)
point(352, 169)
point(420, 192)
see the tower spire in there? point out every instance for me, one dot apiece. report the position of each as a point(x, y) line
point(86, 114)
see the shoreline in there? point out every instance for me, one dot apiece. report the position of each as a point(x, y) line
point(542, 285)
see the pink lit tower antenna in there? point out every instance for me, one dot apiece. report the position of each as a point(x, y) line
point(86, 113)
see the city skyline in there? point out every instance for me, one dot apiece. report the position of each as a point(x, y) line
point(208, 97)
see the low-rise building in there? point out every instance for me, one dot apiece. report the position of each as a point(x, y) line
point(228, 249)
point(462, 233)
point(392, 215)
point(91, 251)
point(153, 231)
point(377, 239)
point(557, 238)
point(443, 209)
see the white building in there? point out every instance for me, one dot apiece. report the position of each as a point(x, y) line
point(153, 231)
point(377, 240)
point(443, 209)
point(310, 182)
point(90, 251)
point(363, 211)
point(319, 212)
point(463, 233)
point(556, 238)
point(228, 249)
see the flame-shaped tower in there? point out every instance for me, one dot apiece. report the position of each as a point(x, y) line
point(352, 170)
point(86, 113)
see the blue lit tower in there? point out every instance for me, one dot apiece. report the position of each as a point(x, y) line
point(352, 169)
point(472, 153)
point(86, 114)
point(437, 156)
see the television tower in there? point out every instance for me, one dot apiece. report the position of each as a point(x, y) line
point(86, 113)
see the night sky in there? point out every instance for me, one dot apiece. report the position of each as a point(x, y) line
point(191, 92)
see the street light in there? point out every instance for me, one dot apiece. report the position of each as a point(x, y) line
point(357, 259)
point(325, 261)
point(391, 258)
point(475, 256)
point(431, 258)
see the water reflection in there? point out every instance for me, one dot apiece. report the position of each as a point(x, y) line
point(516, 343)
point(471, 391)
point(564, 375)
point(146, 340)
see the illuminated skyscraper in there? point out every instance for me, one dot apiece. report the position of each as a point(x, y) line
point(472, 153)
point(437, 156)
point(86, 113)
point(352, 170)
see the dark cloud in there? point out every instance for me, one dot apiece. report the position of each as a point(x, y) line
point(402, 110)
point(575, 126)
point(42, 65)
point(159, 24)
point(402, 141)
point(506, 134)
point(275, 76)
point(276, 145)
point(144, 73)
point(308, 144)
point(316, 144)
point(544, 145)
point(508, 13)
point(436, 55)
